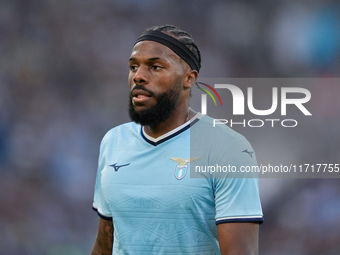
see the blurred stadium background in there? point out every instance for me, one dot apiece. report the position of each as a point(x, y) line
point(63, 84)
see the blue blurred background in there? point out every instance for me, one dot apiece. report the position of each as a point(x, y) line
point(63, 84)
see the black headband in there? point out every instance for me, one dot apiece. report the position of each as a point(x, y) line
point(176, 46)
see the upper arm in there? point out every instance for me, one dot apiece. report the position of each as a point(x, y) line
point(238, 238)
point(104, 240)
point(238, 206)
point(237, 193)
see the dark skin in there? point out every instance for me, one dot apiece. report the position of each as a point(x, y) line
point(104, 240)
point(238, 238)
point(158, 68)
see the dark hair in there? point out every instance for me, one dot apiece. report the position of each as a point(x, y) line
point(180, 35)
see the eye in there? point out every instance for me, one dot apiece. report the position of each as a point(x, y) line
point(156, 67)
point(133, 68)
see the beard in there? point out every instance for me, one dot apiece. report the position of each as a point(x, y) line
point(158, 113)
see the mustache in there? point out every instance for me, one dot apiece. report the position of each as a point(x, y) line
point(142, 87)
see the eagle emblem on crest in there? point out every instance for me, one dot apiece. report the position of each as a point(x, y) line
point(182, 168)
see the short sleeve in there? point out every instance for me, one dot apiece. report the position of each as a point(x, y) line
point(236, 193)
point(99, 202)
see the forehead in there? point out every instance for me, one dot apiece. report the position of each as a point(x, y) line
point(151, 49)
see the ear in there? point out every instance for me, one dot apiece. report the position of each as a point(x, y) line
point(190, 79)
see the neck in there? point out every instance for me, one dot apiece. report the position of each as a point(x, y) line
point(176, 119)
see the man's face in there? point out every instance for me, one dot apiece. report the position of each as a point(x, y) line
point(156, 81)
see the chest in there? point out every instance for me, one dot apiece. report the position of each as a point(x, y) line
point(154, 181)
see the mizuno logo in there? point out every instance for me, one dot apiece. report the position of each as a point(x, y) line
point(117, 167)
point(250, 153)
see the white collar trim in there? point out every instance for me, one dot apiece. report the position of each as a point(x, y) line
point(155, 140)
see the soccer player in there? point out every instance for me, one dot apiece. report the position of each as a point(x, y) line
point(146, 194)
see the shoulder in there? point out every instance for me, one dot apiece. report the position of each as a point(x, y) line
point(217, 135)
point(123, 132)
point(125, 128)
point(220, 145)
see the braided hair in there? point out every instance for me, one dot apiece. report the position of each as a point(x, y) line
point(180, 35)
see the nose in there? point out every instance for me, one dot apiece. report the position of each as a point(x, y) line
point(140, 76)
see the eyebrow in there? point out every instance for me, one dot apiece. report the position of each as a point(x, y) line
point(155, 58)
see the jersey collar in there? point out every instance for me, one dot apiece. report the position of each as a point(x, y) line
point(172, 133)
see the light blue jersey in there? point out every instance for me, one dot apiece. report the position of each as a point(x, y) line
point(148, 187)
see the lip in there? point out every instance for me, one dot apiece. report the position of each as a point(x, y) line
point(140, 96)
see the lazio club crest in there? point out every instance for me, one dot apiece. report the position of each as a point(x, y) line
point(182, 168)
